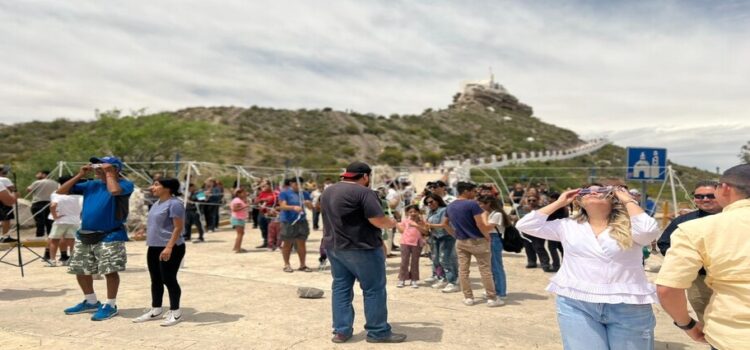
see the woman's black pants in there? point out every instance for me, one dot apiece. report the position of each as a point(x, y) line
point(164, 273)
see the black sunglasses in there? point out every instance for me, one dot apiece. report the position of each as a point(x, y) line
point(704, 196)
point(430, 202)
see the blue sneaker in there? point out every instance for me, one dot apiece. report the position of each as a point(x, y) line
point(82, 307)
point(105, 312)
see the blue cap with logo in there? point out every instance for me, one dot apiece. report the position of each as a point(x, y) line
point(116, 162)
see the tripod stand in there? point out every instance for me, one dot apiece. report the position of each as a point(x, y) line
point(19, 244)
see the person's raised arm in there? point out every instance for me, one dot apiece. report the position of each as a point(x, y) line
point(627, 200)
point(536, 224)
point(113, 183)
point(68, 185)
point(565, 199)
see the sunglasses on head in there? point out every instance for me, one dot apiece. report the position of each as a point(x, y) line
point(704, 196)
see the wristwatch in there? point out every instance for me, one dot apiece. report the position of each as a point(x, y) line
point(688, 326)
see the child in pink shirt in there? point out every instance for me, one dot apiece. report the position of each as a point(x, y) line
point(239, 207)
point(411, 227)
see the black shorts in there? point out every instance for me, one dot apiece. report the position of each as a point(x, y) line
point(298, 231)
point(6, 213)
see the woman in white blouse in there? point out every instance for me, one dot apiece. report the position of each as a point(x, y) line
point(603, 297)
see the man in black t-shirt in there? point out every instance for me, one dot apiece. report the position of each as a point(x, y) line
point(352, 223)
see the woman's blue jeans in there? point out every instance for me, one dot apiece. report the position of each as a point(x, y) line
point(600, 326)
point(444, 255)
point(498, 271)
point(368, 267)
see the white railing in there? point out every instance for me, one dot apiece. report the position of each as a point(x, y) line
point(498, 161)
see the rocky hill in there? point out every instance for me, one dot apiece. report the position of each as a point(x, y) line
point(308, 138)
point(484, 119)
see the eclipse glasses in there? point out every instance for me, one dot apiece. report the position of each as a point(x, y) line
point(601, 192)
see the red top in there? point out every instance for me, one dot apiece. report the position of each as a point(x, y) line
point(266, 199)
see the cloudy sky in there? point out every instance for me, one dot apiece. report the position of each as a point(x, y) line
point(654, 73)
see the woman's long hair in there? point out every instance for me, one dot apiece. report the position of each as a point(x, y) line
point(496, 205)
point(439, 200)
point(619, 220)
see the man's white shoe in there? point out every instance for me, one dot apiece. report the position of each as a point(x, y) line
point(440, 285)
point(148, 316)
point(430, 279)
point(495, 303)
point(450, 288)
point(172, 320)
point(469, 301)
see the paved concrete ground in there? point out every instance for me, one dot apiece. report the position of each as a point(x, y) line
point(245, 301)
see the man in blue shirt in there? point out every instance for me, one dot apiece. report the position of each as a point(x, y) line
point(100, 243)
point(294, 227)
point(472, 232)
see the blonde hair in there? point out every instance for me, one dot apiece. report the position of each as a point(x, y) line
point(619, 222)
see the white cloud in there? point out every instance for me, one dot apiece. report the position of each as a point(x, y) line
point(705, 147)
point(586, 66)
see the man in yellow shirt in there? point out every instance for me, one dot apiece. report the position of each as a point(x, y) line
point(721, 244)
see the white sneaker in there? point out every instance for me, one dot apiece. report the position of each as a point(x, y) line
point(414, 284)
point(167, 314)
point(430, 279)
point(451, 288)
point(51, 263)
point(469, 301)
point(148, 316)
point(440, 285)
point(400, 284)
point(172, 320)
point(495, 303)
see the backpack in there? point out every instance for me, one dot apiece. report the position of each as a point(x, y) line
point(512, 241)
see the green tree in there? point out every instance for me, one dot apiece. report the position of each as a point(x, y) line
point(134, 139)
point(391, 156)
point(745, 153)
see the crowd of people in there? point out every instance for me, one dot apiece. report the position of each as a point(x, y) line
point(602, 294)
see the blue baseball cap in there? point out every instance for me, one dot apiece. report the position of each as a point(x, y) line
point(116, 162)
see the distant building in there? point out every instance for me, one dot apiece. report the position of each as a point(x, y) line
point(468, 87)
point(643, 169)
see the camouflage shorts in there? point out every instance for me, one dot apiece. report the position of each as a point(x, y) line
point(101, 258)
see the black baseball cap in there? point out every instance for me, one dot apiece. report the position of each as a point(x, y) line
point(440, 183)
point(355, 169)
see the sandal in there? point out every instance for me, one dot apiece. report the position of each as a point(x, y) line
point(304, 269)
point(288, 269)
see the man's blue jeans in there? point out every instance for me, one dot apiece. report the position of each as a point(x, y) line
point(585, 325)
point(368, 267)
point(498, 271)
point(444, 255)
